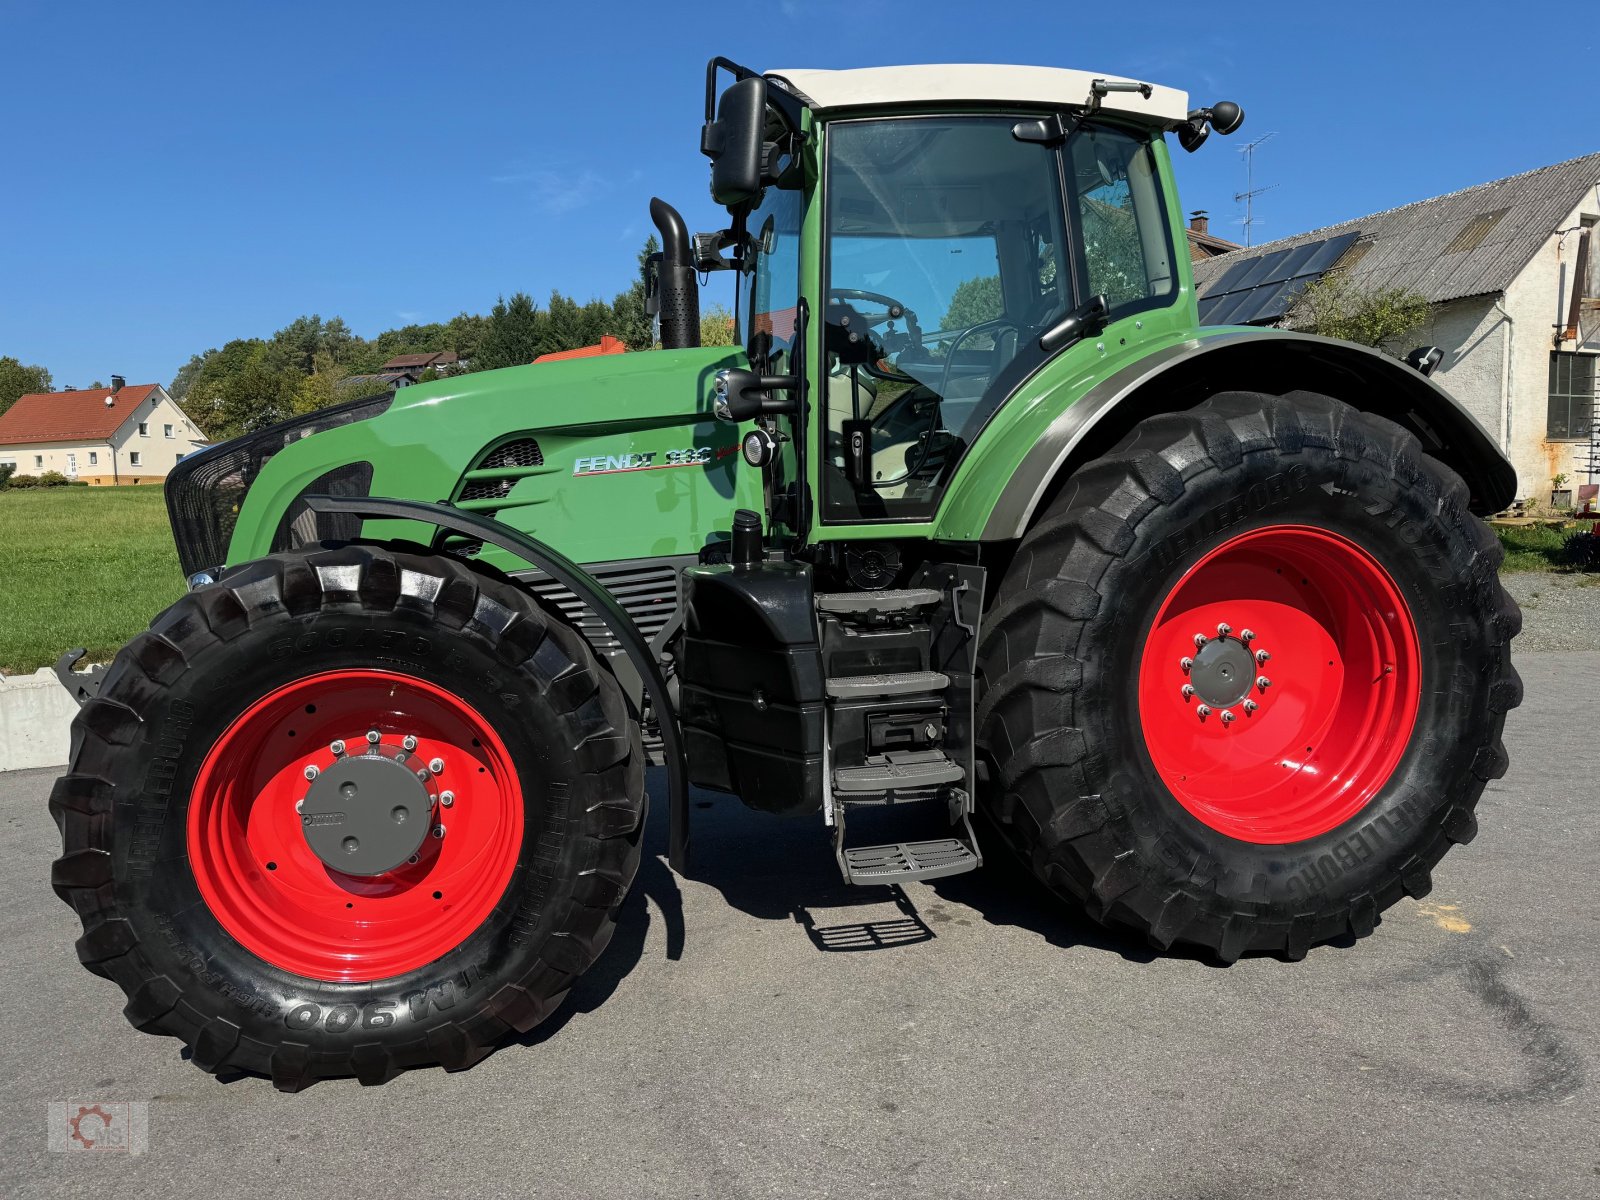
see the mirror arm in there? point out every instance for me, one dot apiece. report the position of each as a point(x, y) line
point(1088, 319)
point(742, 395)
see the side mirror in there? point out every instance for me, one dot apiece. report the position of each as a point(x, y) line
point(733, 142)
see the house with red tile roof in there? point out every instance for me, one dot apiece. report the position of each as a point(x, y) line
point(117, 435)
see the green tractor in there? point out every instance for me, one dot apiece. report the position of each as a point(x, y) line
point(975, 520)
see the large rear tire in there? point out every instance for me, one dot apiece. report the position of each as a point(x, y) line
point(1245, 680)
point(230, 759)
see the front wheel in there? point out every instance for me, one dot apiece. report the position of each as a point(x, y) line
point(347, 811)
point(1246, 679)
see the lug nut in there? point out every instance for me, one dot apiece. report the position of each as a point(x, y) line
point(1203, 711)
point(422, 776)
point(311, 772)
point(1250, 706)
point(1185, 664)
point(1227, 716)
point(1262, 657)
point(1224, 629)
point(438, 831)
point(447, 798)
point(412, 861)
point(337, 748)
point(409, 742)
point(1247, 635)
point(1188, 691)
point(1200, 639)
point(1263, 682)
point(436, 765)
point(373, 736)
point(299, 806)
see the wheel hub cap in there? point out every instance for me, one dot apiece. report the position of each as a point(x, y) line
point(367, 814)
point(1223, 673)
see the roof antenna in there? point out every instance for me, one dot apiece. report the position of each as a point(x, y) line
point(1250, 190)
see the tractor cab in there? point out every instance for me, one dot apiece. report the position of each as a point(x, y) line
point(910, 244)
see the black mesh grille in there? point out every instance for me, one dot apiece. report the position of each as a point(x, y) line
point(487, 489)
point(205, 490)
point(513, 458)
point(524, 452)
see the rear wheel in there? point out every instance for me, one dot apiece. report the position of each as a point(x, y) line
point(1246, 679)
point(348, 811)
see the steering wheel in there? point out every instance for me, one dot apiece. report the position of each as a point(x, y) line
point(893, 309)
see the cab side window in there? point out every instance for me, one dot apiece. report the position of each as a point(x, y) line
point(1121, 219)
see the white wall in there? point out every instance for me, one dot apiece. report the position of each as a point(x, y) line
point(1472, 334)
point(1539, 299)
point(158, 453)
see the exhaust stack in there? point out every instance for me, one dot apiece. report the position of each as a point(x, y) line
point(679, 291)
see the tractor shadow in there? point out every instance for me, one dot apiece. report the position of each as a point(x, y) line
point(783, 869)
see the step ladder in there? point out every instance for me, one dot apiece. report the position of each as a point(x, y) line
point(899, 667)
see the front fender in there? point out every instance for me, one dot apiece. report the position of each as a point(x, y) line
point(1181, 374)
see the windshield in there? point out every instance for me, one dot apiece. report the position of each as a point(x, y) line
point(945, 259)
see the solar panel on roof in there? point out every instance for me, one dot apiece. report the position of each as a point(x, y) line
point(1264, 288)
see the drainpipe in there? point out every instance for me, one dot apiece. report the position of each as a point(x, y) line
point(1507, 344)
point(115, 478)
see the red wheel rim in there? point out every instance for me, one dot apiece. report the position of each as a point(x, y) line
point(279, 900)
point(1324, 625)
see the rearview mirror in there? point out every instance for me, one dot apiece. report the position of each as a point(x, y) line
point(733, 142)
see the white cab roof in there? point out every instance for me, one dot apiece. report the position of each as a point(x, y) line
point(979, 83)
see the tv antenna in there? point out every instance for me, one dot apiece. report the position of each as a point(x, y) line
point(1251, 191)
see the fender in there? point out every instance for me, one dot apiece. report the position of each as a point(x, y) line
point(601, 602)
point(1179, 376)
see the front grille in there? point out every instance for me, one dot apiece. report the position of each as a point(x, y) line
point(648, 590)
point(205, 491)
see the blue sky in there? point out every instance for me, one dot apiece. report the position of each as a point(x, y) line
point(181, 174)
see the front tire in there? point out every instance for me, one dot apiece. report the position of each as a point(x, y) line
point(1142, 769)
point(204, 856)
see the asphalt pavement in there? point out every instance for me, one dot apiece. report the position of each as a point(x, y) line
point(735, 1042)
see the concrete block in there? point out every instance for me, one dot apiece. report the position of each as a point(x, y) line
point(35, 720)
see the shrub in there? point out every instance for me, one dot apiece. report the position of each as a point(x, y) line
point(6, 471)
point(22, 481)
point(52, 479)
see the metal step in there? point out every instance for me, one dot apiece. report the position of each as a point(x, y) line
point(869, 606)
point(906, 683)
point(901, 862)
point(899, 770)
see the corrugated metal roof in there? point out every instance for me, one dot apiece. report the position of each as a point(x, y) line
point(1465, 243)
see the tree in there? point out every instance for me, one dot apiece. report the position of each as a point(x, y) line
point(973, 302)
point(1339, 306)
point(17, 380)
point(716, 326)
point(513, 336)
point(632, 324)
point(562, 327)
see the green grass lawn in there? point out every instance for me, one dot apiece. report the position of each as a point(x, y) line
point(81, 567)
point(1537, 547)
